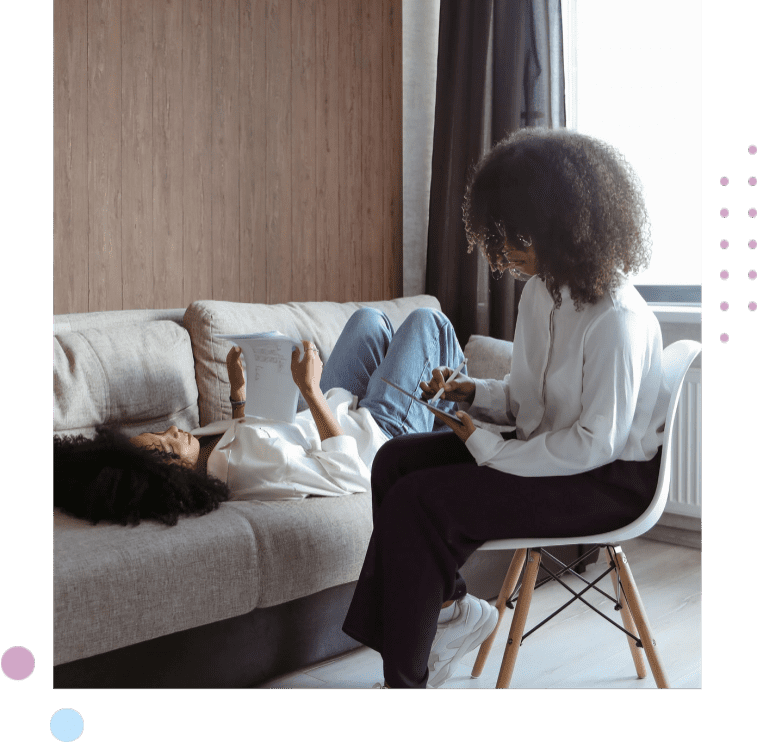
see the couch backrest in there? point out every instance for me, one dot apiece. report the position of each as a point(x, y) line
point(144, 370)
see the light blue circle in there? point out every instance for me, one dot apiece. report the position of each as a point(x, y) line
point(67, 725)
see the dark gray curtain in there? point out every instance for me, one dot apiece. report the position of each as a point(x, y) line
point(500, 68)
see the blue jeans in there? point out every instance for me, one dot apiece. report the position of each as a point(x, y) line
point(369, 349)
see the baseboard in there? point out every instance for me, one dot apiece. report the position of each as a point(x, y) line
point(681, 530)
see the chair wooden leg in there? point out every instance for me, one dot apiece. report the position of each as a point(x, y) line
point(519, 618)
point(625, 614)
point(636, 608)
point(508, 587)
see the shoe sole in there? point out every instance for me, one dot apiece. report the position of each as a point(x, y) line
point(472, 640)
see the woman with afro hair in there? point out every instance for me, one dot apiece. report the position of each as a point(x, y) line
point(109, 478)
point(328, 450)
point(564, 212)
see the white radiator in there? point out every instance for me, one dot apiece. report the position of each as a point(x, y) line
point(685, 496)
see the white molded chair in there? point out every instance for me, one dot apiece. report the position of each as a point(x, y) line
point(677, 358)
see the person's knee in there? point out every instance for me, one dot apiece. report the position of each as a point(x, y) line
point(388, 456)
point(427, 317)
point(369, 319)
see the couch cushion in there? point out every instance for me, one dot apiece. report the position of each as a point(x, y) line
point(321, 322)
point(117, 585)
point(488, 358)
point(139, 376)
point(308, 545)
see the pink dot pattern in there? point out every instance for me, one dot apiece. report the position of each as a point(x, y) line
point(752, 244)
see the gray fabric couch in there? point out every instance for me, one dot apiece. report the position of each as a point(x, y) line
point(249, 591)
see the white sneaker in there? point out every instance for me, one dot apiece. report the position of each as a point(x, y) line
point(476, 619)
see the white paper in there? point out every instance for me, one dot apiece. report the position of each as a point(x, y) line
point(271, 391)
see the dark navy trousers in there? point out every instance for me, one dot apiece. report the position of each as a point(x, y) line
point(433, 506)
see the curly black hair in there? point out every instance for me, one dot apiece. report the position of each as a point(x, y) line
point(109, 478)
point(575, 197)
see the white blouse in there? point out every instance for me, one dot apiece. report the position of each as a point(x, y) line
point(268, 460)
point(584, 388)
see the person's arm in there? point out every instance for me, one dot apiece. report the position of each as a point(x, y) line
point(307, 375)
point(324, 419)
point(236, 380)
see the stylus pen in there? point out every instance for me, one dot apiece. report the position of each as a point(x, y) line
point(436, 396)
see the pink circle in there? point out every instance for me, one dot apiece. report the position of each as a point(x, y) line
point(724, 244)
point(724, 275)
point(752, 275)
point(753, 213)
point(18, 663)
point(724, 337)
point(724, 181)
point(752, 181)
point(752, 149)
point(752, 244)
point(724, 213)
point(752, 306)
point(724, 306)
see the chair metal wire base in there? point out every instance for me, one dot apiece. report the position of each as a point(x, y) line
point(576, 596)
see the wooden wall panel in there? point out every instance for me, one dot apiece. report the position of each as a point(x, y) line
point(167, 155)
point(253, 266)
point(71, 203)
point(278, 103)
point(327, 150)
point(247, 150)
point(350, 132)
point(136, 153)
point(196, 112)
point(304, 275)
point(104, 151)
point(371, 67)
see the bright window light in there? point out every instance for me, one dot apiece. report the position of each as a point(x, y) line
point(638, 68)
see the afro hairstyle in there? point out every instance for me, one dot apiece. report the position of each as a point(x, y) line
point(109, 478)
point(575, 197)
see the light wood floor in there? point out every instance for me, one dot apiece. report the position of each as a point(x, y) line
point(577, 648)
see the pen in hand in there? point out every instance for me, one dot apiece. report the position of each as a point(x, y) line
point(436, 396)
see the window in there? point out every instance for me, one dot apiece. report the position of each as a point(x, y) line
point(633, 79)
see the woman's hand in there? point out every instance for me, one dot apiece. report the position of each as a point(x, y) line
point(307, 372)
point(236, 374)
point(460, 389)
point(464, 429)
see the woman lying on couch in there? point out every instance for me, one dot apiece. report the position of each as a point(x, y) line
point(328, 450)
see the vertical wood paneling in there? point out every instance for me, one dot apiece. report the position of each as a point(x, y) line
point(71, 206)
point(350, 179)
point(327, 150)
point(247, 150)
point(104, 147)
point(196, 104)
point(279, 150)
point(372, 155)
point(136, 153)
point(167, 155)
point(304, 274)
point(253, 267)
point(225, 143)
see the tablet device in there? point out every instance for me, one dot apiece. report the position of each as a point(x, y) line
point(420, 401)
